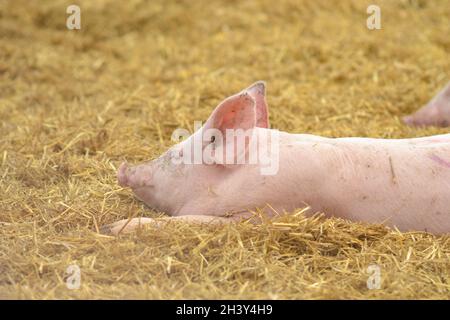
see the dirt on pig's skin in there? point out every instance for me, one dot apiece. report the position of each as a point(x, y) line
point(75, 104)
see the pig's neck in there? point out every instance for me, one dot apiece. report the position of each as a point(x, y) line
point(302, 172)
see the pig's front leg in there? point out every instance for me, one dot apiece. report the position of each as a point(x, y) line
point(130, 225)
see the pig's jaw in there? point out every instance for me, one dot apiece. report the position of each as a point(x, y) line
point(143, 194)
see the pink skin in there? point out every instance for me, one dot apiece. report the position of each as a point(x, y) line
point(400, 182)
point(434, 113)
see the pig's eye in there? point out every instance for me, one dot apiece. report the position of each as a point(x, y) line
point(177, 154)
point(213, 138)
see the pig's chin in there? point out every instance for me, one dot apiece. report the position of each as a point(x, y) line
point(145, 195)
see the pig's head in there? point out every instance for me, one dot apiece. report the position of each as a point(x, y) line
point(193, 176)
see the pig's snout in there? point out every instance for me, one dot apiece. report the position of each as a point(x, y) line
point(135, 176)
point(122, 175)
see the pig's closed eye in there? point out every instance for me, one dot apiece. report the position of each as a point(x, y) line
point(177, 154)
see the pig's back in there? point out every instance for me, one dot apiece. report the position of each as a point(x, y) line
point(404, 181)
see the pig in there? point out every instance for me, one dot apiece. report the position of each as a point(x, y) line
point(434, 113)
point(402, 183)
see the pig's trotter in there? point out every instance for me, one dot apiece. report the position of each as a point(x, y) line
point(434, 113)
point(125, 226)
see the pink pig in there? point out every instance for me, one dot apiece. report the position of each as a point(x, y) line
point(400, 182)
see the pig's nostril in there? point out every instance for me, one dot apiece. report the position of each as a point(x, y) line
point(122, 175)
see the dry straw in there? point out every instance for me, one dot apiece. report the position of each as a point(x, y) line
point(74, 104)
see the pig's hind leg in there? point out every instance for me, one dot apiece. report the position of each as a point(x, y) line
point(434, 113)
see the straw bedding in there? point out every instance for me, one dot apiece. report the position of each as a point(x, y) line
point(74, 104)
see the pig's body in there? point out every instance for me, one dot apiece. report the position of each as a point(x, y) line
point(400, 182)
point(404, 183)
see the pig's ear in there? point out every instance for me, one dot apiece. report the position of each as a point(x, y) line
point(258, 92)
point(235, 112)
